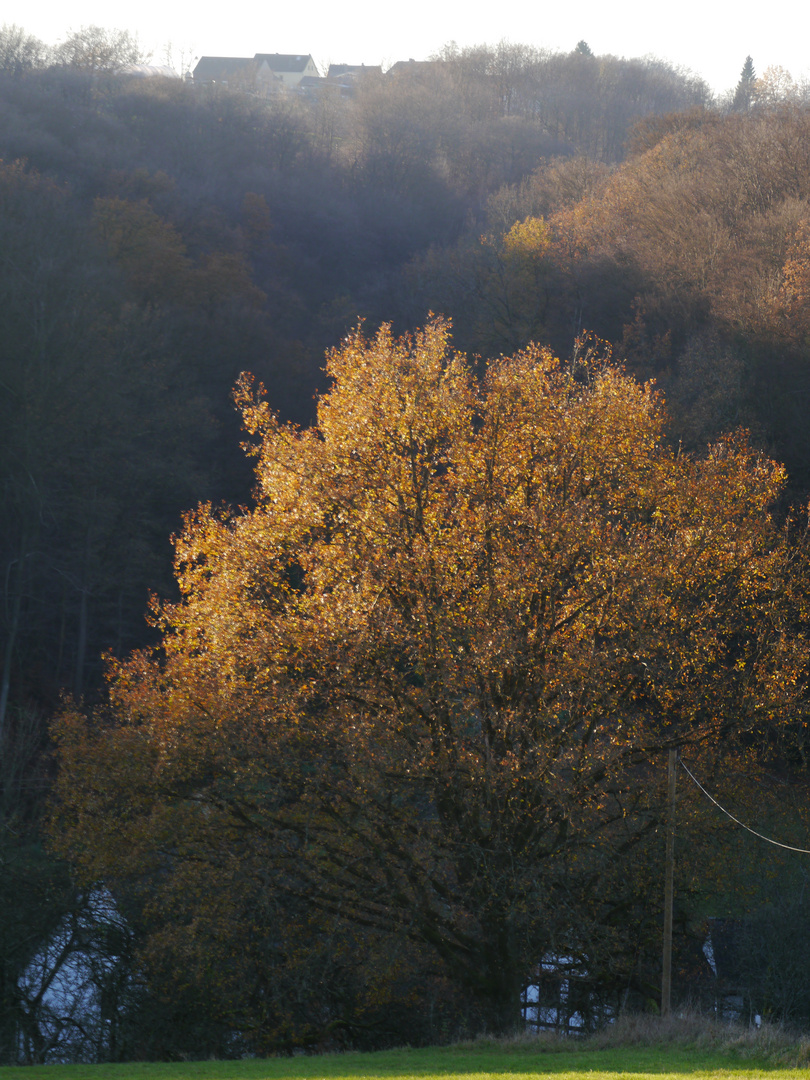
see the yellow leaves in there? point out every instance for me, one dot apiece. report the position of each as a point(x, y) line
point(527, 240)
point(457, 606)
point(410, 390)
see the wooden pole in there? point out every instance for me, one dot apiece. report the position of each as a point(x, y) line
point(666, 979)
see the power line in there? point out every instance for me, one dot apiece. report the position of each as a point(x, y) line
point(722, 809)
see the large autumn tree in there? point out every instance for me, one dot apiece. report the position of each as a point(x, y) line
point(425, 682)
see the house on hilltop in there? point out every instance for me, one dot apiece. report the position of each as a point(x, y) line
point(345, 78)
point(413, 67)
point(352, 71)
point(288, 67)
point(237, 72)
point(260, 74)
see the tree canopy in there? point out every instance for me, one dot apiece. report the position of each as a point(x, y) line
point(158, 236)
point(99, 50)
point(419, 686)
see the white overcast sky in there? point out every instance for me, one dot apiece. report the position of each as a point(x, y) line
point(709, 37)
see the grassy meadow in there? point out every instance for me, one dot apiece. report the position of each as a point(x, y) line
point(632, 1050)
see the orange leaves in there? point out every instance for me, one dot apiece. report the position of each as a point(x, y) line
point(794, 292)
point(449, 548)
point(434, 537)
point(420, 674)
point(395, 402)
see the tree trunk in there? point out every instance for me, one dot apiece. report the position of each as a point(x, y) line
point(498, 983)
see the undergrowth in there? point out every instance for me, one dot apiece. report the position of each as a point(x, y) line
point(684, 1030)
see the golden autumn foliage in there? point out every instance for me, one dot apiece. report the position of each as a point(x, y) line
point(795, 285)
point(422, 684)
point(703, 212)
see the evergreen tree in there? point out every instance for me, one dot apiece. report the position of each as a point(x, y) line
point(744, 93)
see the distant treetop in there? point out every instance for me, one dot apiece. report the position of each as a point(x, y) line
point(744, 93)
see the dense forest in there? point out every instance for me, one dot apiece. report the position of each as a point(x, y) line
point(159, 238)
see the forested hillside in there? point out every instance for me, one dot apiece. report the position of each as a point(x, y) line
point(159, 238)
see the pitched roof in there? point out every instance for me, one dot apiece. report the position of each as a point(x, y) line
point(221, 68)
point(337, 70)
point(285, 61)
point(411, 66)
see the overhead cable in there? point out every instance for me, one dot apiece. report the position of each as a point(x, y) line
point(722, 809)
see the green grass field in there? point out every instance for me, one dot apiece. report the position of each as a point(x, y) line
point(742, 1057)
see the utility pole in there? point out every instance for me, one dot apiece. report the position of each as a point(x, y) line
point(666, 979)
